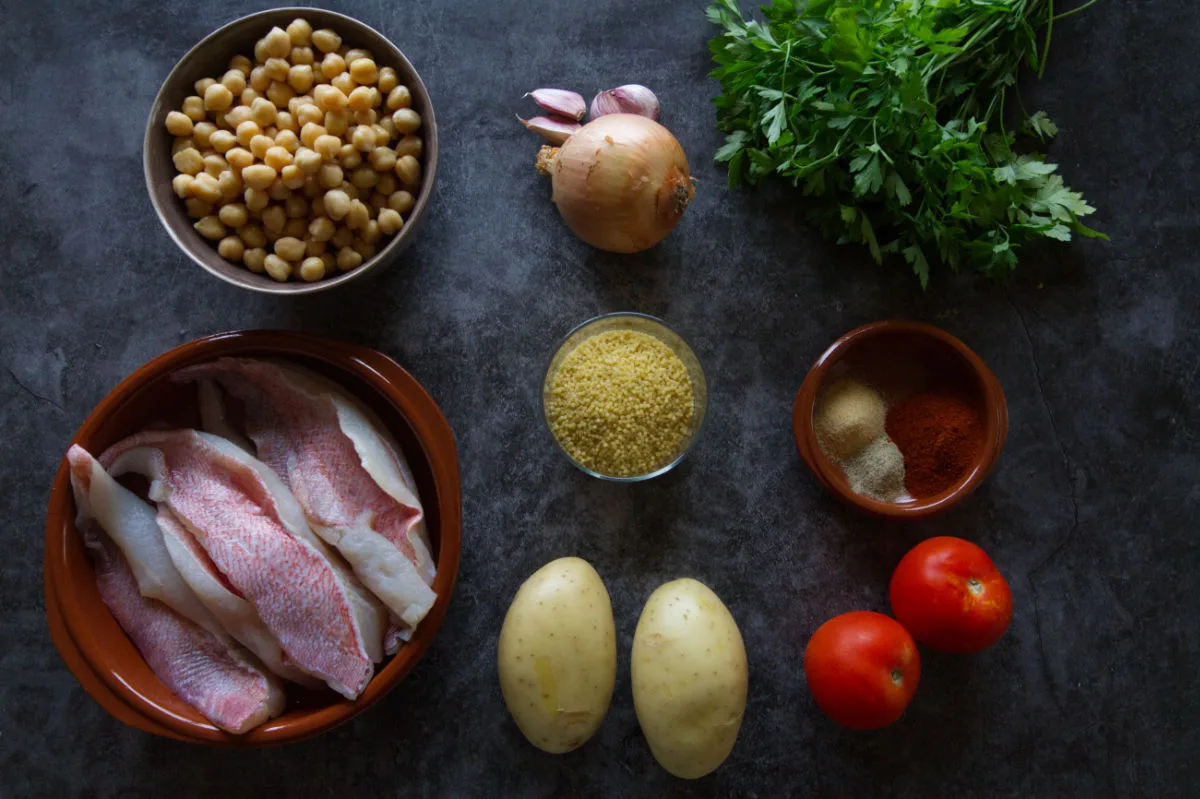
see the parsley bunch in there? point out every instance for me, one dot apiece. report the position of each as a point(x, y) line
point(890, 113)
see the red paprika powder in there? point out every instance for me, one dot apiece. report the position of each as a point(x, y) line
point(940, 434)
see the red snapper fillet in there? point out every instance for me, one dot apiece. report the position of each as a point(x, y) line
point(348, 475)
point(251, 528)
point(207, 670)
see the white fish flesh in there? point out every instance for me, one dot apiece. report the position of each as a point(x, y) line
point(250, 526)
point(347, 473)
point(210, 672)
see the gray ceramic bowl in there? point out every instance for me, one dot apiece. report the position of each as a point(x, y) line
point(209, 59)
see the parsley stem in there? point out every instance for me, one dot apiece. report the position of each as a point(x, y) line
point(1049, 30)
point(1066, 14)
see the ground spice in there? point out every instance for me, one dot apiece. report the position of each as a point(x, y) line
point(621, 403)
point(940, 434)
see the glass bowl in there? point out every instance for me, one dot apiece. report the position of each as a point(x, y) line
point(640, 323)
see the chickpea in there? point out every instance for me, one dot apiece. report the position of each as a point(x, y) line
point(347, 259)
point(371, 232)
point(202, 133)
point(310, 132)
point(277, 158)
point(330, 176)
point(289, 249)
point(330, 259)
point(300, 32)
point(410, 145)
point(196, 208)
point(309, 114)
point(367, 117)
point(382, 135)
point(285, 121)
point(180, 185)
point(260, 176)
point(280, 94)
point(272, 235)
point(234, 215)
point(260, 51)
point(292, 177)
point(238, 116)
point(362, 98)
point(308, 160)
point(246, 132)
point(249, 96)
point(329, 98)
point(239, 158)
point(278, 191)
point(210, 228)
point(274, 218)
point(365, 250)
point(302, 56)
point(193, 108)
point(259, 80)
point(260, 144)
point(326, 40)
point(358, 215)
point(363, 138)
point(389, 221)
point(214, 165)
point(350, 189)
point(343, 83)
point(321, 228)
point(277, 268)
point(377, 201)
point(364, 71)
point(277, 69)
point(342, 237)
point(399, 97)
point(230, 184)
point(179, 145)
point(295, 207)
point(337, 204)
point(316, 203)
point(356, 53)
point(332, 65)
point(312, 247)
point(188, 160)
point(312, 269)
point(256, 200)
point(386, 185)
point(217, 97)
point(263, 112)
point(231, 248)
point(312, 189)
point(295, 228)
point(253, 235)
point(408, 169)
point(382, 159)
point(387, 80)
point(406, 120)
point(179, 124)
point(222, 140)
point(278, 42)
point(235, 81)
point(300, 77)
point(401, 202)
point(255, 259)
point(204, 188)
point(201, 86)
point(241, 64)
point(336, 122)
point(364, 178)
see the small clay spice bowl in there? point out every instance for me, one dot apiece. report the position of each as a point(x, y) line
point(926, 376)
point(662, 389)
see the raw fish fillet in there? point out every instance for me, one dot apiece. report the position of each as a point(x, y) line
point(255, 533)
point(348, 475)
point(209, 672)
point(131, 525)
point(230, 608)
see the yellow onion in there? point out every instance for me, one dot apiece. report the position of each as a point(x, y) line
point(620, 182)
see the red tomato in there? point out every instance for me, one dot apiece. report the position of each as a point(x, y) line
point(862, 669)
point(948, 594)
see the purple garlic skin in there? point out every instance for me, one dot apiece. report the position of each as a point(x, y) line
point(560, 102)
point(632, 98)
point(555, 130)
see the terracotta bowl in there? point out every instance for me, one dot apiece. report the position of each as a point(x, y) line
point(906, 356)
point(210, 59)
point(90, 641)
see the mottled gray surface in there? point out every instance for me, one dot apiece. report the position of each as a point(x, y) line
point(1091, 512)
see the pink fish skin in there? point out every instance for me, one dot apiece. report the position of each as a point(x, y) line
point(347, 474)
point(209, 672)
point(215, 491)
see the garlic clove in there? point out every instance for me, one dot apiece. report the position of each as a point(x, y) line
point(633, 98)
point(560, 102)
point(555, 130)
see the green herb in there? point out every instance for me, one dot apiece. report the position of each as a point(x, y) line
point(890, 113)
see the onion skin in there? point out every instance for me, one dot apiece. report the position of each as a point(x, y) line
point(621, 182)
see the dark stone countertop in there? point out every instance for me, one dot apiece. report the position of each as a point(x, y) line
point(1091, 512)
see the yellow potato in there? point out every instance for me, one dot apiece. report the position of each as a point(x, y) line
point(689, 678)
point(558, 655)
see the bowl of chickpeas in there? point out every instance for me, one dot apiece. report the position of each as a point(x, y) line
point(291, 151)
